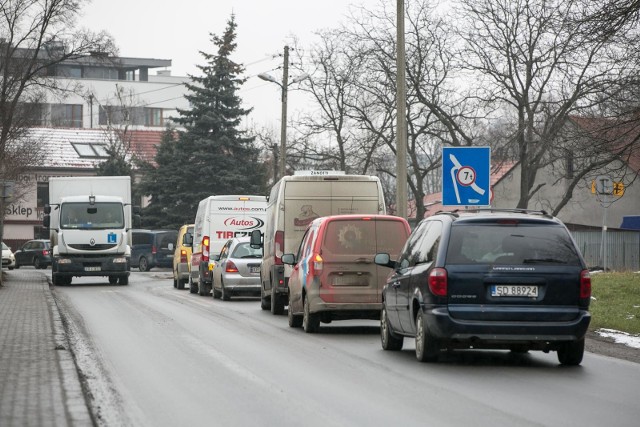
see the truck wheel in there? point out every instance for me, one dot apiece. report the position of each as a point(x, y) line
point(113, 280)
point(265, 301)
point(277, 303)
point(143, 264)
point(193, 288)
point(181, 283)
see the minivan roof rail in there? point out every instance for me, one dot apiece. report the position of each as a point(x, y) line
point(457, 212)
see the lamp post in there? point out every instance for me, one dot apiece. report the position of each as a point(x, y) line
point(283, 117)
point(401, 121)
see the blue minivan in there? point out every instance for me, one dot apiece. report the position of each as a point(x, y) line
point(152, 248)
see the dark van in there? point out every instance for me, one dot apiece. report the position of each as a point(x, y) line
point(152, 248)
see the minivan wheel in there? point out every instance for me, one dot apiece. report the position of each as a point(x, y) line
point(37, 264)
point(571, 353)
point(389, 340)
point(295, 320)
point(427, 348)
point(143, 264)
point(310, 321)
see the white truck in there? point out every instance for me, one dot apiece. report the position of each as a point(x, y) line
point(89, 221)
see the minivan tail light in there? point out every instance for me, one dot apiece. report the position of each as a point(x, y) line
point(438, 282)
point(279, 246)
point(231, 267)
point(205, 249)
point(153, 249)
point(45, 252)
point(317, 265)
point(585, 284)
point(183, 255)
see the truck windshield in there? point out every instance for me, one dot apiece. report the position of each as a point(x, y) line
point(86, 216)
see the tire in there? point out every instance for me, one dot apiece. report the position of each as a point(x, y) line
point(192, 286)
point(216, 293)
point(113, 280)
point(203, 289)
point(389, 340)
point(67, 280)
point(123, 280)
point(17, 266)
point(571, 353)
point(277, 303)
point(224, 294)
point(265, 301)
point(310, 321)
point(37, 264)
point(143, 264)
point(57, 280)
point(175, 283)
point(427, 348)
point(181, 283)
point(295, 320)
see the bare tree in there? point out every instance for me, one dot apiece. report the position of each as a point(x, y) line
point(536, 63)
point(35, 38)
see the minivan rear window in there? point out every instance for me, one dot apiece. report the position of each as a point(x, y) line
point(508, 244)
point(365, 237)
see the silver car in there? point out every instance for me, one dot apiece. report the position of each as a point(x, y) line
point(8, 260)
point(237, 269)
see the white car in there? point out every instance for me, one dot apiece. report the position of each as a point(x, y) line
point(8, 260)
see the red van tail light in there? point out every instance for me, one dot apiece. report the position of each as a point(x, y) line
point(438, 282)
point(317, 265)
point(231, 267)
point(183, 255)
point(585, 284)
point(205, 249)
point(279, 246)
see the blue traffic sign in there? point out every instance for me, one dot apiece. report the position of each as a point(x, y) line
point(466, 176)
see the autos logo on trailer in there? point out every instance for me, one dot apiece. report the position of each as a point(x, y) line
point(243, 223)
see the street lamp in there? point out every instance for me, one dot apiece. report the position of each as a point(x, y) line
point(284, 86)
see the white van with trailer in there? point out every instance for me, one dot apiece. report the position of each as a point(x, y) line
point(294, 202)
point(218, 219)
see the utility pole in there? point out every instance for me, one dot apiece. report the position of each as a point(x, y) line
point(6, 192)
point(283, 124)
point(401, 124)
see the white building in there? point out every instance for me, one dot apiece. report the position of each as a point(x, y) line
point(108, 94)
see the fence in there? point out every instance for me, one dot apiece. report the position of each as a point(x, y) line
point(623, 249)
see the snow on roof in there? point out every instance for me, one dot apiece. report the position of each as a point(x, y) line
point(60, 153)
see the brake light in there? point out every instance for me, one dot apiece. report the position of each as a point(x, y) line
point(279, 246)
point(317, 265)
point(153, 249)
point(45, 252)
point(438, 282)
point(585, 284)
point(183, 255)
point(205, 249)
point(231, 267)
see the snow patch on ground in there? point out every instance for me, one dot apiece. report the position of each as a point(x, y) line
point(620, 337)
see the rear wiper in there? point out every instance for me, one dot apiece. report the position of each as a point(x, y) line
point(543, 260)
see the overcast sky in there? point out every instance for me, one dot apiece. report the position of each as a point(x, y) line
point(178, 30)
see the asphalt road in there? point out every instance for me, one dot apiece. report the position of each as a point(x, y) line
point(153, 355)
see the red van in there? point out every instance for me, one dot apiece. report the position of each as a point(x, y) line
point(334, 276)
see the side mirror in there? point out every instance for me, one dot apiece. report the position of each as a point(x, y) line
point(289, 259)
point(216, 257)
point(47, 209)
point(256, 239)
point(384, 260)
point(187, 239)
point(46, 221)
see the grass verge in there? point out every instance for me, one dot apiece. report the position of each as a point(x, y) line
point(615, 302)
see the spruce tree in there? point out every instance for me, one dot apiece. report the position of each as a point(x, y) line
point(223, 158)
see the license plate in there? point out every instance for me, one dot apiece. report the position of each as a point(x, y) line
point(92, 268)
point(514, 291)
point(254, 270)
